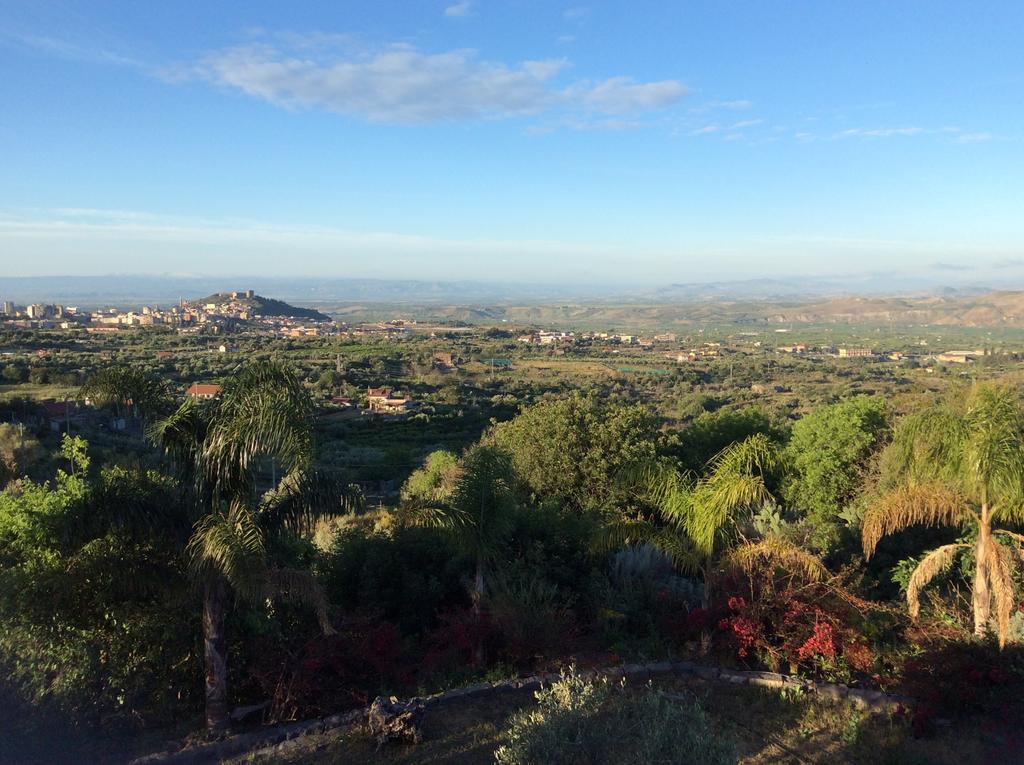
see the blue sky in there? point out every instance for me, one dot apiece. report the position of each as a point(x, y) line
point(530, 141)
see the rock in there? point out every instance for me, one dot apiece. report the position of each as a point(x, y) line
point(391, 720)
point(707, 673)
point(660, 668)
point(733, 677)
point(241, 714)
point(766, 679)
point(831, 691)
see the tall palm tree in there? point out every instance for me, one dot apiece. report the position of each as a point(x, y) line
point(696, 517)
point(218, 446)
point(478, 514)
point(963, 467)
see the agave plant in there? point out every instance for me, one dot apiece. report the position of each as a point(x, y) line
point(961, 467)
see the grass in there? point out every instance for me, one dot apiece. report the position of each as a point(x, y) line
point(37, 391)
point(771, 728)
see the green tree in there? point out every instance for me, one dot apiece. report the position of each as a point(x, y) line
point(570, 449)
point(263, 413)
point(433, 483)
point(92, 596)
point(711, 432)
point(18, 452)
point(825, 458)
point(960, 466)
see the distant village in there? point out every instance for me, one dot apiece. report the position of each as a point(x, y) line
point(228, 310)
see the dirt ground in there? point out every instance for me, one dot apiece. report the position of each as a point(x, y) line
point(772, 729)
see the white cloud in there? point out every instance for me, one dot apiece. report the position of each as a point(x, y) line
point(458, 10)
point(881, 132)
point(402, 84)
point(974, 137)
point(576, 13)
point(623, 94)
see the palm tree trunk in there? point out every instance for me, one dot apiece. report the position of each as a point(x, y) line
point(215, 654)
point(478, 587)
point(982, 600)
point(478, 597)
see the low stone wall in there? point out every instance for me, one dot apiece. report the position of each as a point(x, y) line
point(287, 736)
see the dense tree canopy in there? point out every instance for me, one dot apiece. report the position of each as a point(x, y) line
point(570, 449)
point(825, 457)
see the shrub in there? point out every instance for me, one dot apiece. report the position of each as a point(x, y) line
point(333, 672)
point(406, 575)
point(644, 600)
point(583, 721)
point(966, 679)
point(533, 618)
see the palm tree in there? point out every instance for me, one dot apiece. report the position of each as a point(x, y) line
point(128, 388)
point(479, 512)
point(218, 446)
point(696, 517)
point(961, 467)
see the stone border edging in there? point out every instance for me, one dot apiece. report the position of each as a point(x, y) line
point(283, 737)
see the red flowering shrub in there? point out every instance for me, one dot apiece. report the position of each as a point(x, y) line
point(335, 672)
point(786, 624)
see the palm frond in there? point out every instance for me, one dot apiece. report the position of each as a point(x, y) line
point(756, 454)
point(262, 411)
point(1000, 570)
point(994, 451)
point(933, 504)
point(300, 587)
point(736, 483)
point(718, 499)
point(776, 551)
point(182, 432)
point(619, 532)
point(934, 563)
point(303, 497)
point(927, 446)
point(1017, 539)
point(230, 545)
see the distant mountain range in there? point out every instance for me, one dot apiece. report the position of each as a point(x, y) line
point(126, 291)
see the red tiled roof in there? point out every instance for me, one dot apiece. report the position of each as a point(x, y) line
point(203, 389)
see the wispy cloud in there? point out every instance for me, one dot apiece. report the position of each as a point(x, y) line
point(948, 133)
point(974, 137)
point(401, 84)
point(69, 50)
point(576, 13)
point(710, 106)
point(880, 132)
point(68, 238)
point(459, 10)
